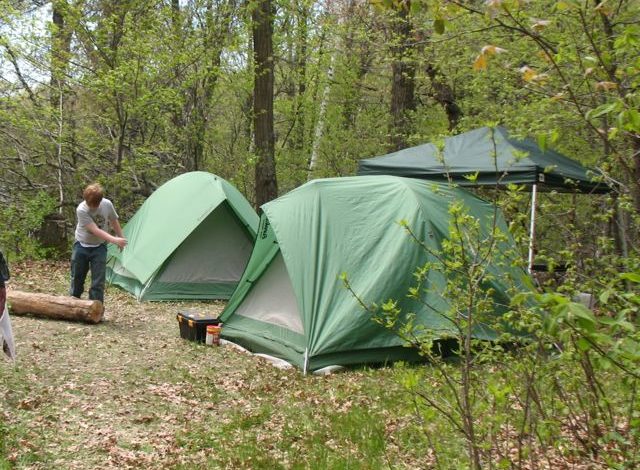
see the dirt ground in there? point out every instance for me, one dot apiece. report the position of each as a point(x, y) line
point(118, 394)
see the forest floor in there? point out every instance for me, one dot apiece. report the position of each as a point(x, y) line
point(130, 393)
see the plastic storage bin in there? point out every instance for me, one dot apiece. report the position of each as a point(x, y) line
point(193, 325)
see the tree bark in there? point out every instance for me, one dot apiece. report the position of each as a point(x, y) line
point(56, 307)
point(194, 119)
point(359, 57)
point(60, 57)
point(265, 170)
point(176, 21)
point(301, 54)
point(635, 187)
point(444, 95)
point(315, 146)
point(403, 71)
point(60, 52)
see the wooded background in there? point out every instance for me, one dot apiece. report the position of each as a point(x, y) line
point(268, 94)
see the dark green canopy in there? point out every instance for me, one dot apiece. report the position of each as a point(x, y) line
point(498, 160)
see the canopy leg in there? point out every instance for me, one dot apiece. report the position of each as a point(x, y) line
point(532, 226)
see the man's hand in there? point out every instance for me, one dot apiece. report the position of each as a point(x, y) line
point(106, 236)
point(121, 242)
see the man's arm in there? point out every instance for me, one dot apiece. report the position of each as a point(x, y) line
point(98, 232)
point(115, 223)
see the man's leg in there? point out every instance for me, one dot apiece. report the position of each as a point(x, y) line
point(3, 299)
point(79, 269)
point(98, 272)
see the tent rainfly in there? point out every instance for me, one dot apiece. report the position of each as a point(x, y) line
point(495, 159)
point(290, 302)
point(191, 239)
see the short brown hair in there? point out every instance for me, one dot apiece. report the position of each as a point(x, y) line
point(93, 194)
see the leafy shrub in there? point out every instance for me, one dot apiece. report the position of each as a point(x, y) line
point(21, 221)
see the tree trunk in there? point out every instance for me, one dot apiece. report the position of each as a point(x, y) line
point(60, 56)
point(403, 71)
point(301, 54)
point(636, 167)
point(359, 58)
point(123, 117)
point(195, 117)
point(56, 307)
point(444, 95)
point(60, 52)
point(176, 20)
point(265, 170)
point(52, 233)
point(315, 146)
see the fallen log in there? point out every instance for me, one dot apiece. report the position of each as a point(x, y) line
point(54, 306)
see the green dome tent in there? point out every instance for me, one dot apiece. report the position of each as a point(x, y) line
point(191, 239)
point(290, 302)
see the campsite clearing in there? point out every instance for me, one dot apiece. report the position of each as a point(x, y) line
point(130, 393)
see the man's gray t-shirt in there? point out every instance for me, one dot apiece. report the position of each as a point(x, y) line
point(102, 216)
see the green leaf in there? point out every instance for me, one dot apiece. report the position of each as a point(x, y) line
point(584, 317)
point(608, 321)
point(583, 345)
point(633, 277)
point(602, 110)
point(410, 380)
point(564, 5)
point(631, 120)
point(627, 325)
point(472, 177)
point(438, 26)
point(542, 141)
point(604, 296)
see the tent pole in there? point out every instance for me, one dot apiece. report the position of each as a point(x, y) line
point(146, 286)
point(532, 226)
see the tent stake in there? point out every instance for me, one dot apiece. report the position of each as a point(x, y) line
point(532, 226)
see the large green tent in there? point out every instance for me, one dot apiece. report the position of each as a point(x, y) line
point(290, 302)
point(191, 239)
point(496, 157)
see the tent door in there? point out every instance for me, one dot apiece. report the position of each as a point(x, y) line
point(272, 300)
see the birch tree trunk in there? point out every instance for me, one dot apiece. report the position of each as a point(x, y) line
point(317, 135)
